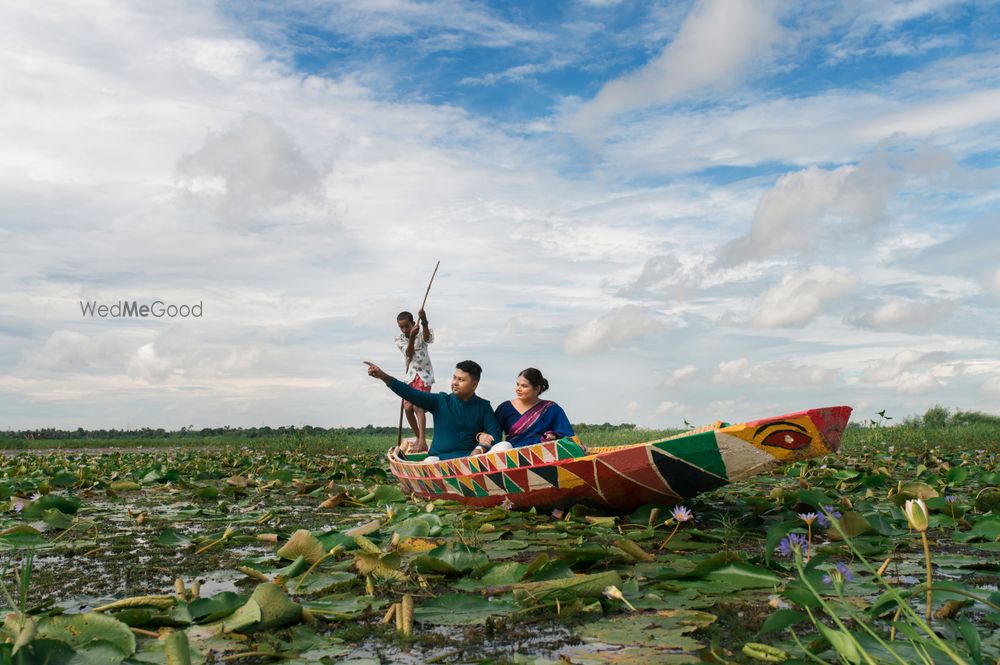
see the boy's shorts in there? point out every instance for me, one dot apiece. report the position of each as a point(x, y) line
point(419, 384)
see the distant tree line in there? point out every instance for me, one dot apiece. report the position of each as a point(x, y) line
point(51, 433)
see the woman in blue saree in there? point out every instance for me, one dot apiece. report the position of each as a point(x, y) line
point(527, 418)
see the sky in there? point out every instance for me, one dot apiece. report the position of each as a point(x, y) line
point(678, 211)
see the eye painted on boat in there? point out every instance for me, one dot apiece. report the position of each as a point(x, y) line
point(783, 434)
point(788, 439)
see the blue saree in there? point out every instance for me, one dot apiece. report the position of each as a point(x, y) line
point(545, 420)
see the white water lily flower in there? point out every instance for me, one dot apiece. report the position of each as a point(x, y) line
point(916, 514)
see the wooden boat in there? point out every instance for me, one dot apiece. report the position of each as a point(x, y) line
point(666, 471)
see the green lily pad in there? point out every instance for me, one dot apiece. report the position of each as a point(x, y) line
point(450, 559)
point(344, 606)
point(170, 537)
point(36, 509)
point(461, 610)
point(389, 494)
point(268, 608)
point(206, 610)
point(93, 631)
point(664, 632)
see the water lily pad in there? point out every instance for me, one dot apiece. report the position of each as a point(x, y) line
point(389, 494)
point(324, 583)
point(579, 586)
point(171, 537)
point(267, 609)
point(206, 610)
point(665, 632)
point(461, 610)
point(36, 509)
point(344, 606)
point(451, 559)
point(89, 631)
point(304, 544)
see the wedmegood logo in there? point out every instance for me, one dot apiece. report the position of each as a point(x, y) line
point(124, 309)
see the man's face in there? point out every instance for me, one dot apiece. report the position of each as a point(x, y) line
point(463, 385)
point(405, 325)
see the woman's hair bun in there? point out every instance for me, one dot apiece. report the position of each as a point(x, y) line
point(536, 379)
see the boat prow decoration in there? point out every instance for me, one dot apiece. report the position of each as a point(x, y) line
point(667, 471)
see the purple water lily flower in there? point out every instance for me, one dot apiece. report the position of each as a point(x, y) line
point(837, 576)
point(791, 543)
point(824, 520)
point(682, 514)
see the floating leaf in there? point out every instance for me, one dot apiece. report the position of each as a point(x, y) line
point(451, 559)
point(88, 631)
point(743, 576)
point(36, 509)
point(268, 608)
point(170, 537)
point(385, 566)
point(665, 632)
point(302, 544)
point(579, 586)
point(206, 610)
point(389, 494)
point(851, 524)
point(461, 610)
point(344, 606)
point(177, 649)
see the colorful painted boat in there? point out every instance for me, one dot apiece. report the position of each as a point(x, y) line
point(667, 471)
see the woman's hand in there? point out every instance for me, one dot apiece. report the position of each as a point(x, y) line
point(484, 438)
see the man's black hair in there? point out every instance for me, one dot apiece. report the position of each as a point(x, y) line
point(470, 367)
point(404, 316)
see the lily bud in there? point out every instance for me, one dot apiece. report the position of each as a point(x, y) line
point(916, 514)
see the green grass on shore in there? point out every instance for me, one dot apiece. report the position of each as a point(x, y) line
point(938, 428)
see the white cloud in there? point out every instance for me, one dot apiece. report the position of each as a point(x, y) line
point(889, 369)
point(511, 75)
point(775, 373)
point(899, 313)
point(248, 169)
point(443, 24)
point(718, 44)
point(910, 383)
point(679, 375)
point(800, 297)
point(146, 364)
point(618, 325)
point(69, 351)
point(669, 407)
point(806, 207)
point(991, 387)
point(911, 372)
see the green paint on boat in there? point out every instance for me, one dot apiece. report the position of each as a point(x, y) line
point(701, 450)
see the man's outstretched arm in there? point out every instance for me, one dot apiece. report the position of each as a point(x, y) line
point(426, 401)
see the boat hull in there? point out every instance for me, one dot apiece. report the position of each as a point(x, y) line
point(666, 471)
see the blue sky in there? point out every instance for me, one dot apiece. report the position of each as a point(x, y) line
point(677, 210)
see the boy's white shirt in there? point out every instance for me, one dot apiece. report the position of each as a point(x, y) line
point(421, 363)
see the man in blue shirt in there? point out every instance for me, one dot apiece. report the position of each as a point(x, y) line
point(462, 419)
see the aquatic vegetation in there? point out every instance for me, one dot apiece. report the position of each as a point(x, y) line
point(181, 555)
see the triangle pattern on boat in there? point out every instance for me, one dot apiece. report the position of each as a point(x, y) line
point(537, 482)
point(683, 478)
point(567, 479)
point(492, 484)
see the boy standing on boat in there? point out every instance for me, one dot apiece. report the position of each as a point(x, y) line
point(412, 341)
